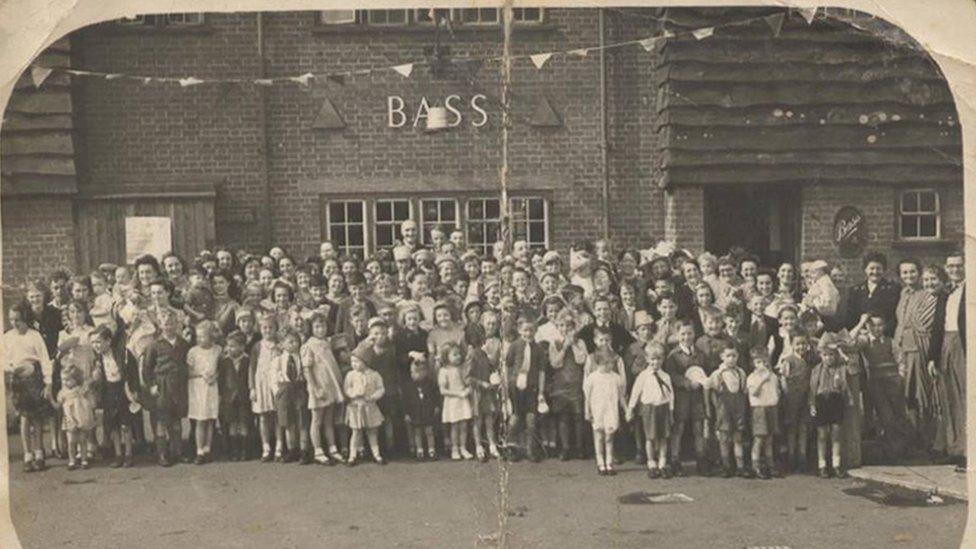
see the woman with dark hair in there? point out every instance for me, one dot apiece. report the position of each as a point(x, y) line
point(876, 293)
point(915, 313)
point(250, 270)
point(225, 293)
point(147, 270)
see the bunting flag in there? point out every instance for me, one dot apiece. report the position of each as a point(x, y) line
point(303, 79)
point(648, 43)
point(539, 59)
point(404, 69)
point(39, 75)
point(775, 22)
point(809, 14)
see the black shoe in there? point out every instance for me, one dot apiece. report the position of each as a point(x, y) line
point(199, 460)
point(653, 472)
point(611, 471)
point(666, 472)
point(71, 466)
point(29, 467)
point(39, 465)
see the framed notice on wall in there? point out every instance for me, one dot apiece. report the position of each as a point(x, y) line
point(147, 235)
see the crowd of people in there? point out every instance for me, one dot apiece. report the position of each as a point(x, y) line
point(434, 350)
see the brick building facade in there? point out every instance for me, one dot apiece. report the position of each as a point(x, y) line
point(265, 164)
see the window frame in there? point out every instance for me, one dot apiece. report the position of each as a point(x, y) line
point(423, 222)
point(356, 18)
point(529, 220)
point(415, 19)
point(462, 201)
point(365, 222)
point(901, 214)
point(375, 224)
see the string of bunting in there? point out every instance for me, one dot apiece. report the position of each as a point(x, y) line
point(775, 22)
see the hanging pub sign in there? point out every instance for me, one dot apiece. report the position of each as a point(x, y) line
point(850, 232)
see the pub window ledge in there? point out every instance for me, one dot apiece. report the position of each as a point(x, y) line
point(921, 243)
point(527, 28)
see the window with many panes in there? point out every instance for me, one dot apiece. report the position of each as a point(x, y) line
point(361, 227)
point(919, 215)
point(347, 226)
point(484, 224)
point(438, 212)
point(388, 215)
point(170, 19)
point(529, 221)
point(427, 16)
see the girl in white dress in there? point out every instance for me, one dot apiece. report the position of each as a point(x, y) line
point(75, 349)
point(78, 414)
point(603, 394)
point(456, 407)
point(263, 380)
point(204, 400)
point(363, 387)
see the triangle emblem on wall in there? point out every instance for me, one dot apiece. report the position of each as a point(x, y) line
point(544, 116)
point(329, 117)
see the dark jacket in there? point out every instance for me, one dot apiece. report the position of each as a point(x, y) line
point(884, 300)
point(620, 338)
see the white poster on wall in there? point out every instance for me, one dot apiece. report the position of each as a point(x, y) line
point(147, 235)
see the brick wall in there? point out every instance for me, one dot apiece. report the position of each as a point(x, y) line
point(138, 136)
point(684, 217)
point(820, 204)
point(38, 237)
point(150, 135)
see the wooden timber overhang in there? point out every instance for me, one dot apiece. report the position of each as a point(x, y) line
point(817, 103)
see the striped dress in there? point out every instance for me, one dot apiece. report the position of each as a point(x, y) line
point(915, 314)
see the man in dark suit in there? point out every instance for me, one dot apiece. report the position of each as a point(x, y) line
point(876, 293)
point(952, 361)
point(525, 365)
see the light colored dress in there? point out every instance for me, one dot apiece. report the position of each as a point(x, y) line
point(77, 409)
point(602, 392)
point(203, 398)
point(455, 408)
point(360, 385)
point(321, 374)
point(265, 377)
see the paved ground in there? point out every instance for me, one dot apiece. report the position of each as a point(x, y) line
point(553, 504)
point(935, 479)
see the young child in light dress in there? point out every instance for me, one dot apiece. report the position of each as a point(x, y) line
point(363, 387)
point(203, 397)
point(603, 394)
point(456, 406)
point(78, 415)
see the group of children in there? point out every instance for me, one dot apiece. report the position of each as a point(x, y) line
point(475, 357)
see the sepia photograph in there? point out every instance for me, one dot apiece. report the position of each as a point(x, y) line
point(485, 275)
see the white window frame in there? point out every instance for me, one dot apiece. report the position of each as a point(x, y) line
point(937, 212)
point(439, 222)
point(368, 19)
point(515, 19)
point(484, 221)
point(344, 249)
point(134, 21)
point(354, 20)
point(172, 19)
point(420, 14)
point(528, 220)
point(376, 223)
point(458, 15)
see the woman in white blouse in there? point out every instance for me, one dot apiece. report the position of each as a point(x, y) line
point(27, 368)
